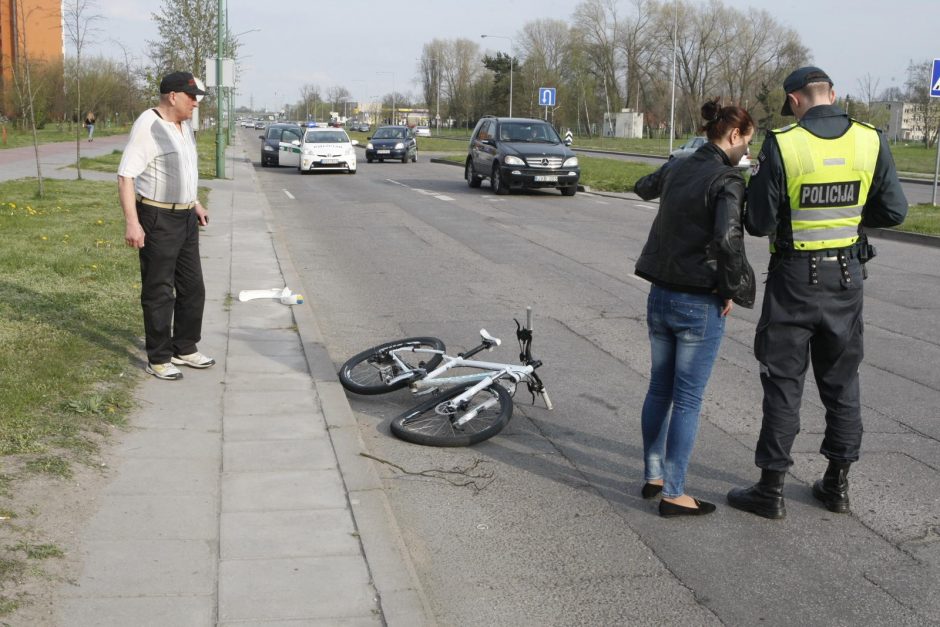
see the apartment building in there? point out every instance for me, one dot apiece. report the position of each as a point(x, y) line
point(902, 124)
point(30, 28)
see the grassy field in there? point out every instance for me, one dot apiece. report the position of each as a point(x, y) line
point(922, 219)
point(205, 144)
point(69, 334)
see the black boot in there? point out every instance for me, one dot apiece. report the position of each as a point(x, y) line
point(833, 488)
point(764, 498)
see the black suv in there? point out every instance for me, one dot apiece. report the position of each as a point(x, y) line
point(520, 153)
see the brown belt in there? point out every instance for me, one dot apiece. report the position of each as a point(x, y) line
point(172, 206)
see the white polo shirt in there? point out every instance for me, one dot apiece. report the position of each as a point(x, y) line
point(161, 159)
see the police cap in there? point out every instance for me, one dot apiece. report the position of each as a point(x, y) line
point(798, 79)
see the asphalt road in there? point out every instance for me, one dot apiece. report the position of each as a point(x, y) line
point(543, 524)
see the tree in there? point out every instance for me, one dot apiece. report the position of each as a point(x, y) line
point(78, 21)
point(501, 66)
point(926, 110)
point(23, 82)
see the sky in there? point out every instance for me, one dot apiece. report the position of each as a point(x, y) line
point(372, 47)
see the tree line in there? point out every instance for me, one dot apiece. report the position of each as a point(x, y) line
point(609, 55)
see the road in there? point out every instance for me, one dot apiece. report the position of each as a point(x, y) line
point(546, 526)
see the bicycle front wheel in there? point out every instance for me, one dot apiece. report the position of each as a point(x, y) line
point(370, 371)
point(432, 423)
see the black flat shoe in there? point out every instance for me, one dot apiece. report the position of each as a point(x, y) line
point(651, 490)
point(669, 510)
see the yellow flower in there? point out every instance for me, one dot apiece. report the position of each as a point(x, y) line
point(99, 222)
point(94, 267)
point(44, 238)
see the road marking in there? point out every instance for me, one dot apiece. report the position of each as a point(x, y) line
point(289, 195)
point(636, 204)
point(442, 197)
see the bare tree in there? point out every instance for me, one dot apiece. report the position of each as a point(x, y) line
point(23, 81)
point(926, 111)
point(78, 22)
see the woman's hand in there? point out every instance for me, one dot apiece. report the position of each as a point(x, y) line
point(729, 305)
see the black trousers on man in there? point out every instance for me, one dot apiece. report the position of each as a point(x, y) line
point(812, 312)
point(172, 291)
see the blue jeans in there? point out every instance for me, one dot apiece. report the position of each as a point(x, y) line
point(685, 333)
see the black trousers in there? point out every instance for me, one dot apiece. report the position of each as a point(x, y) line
point(172, 291)
point(803, 322)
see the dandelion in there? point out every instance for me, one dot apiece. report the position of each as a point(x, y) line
point(99, 222)
point(43, 238)
point(12, 205)
point(94, 267)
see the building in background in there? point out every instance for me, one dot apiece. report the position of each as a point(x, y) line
point(904, 124)
point(38, 25)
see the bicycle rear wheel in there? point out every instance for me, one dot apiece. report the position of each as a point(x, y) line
point(369, 371)
point(432, 423)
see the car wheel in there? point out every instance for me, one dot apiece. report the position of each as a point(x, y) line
point(571, 190)
point(404, 158)
point(368, 160)
point(472, 179)
point(497, 183)
point(353, 171)
point(414, 158)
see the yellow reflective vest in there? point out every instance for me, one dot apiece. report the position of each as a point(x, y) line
point(828, 181)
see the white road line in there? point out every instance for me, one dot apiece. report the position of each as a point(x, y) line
point(442, 197)
point(289, 195)
point(636, 204)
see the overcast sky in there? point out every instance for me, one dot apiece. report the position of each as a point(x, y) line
point(373, 46)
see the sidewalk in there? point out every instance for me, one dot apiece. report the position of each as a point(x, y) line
point(239, 496)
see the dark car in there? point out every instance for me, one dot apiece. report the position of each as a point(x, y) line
point(392, 142)
point(520, 153)
point(280, 145)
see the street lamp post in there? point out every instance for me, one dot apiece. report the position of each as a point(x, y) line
point(511, 54)
point(437, 122)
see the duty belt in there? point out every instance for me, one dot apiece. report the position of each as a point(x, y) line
point(172, 206)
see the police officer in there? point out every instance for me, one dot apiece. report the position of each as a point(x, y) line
point(815, 184)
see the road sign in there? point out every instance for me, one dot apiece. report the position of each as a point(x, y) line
point(547, 96)
point(935, 80)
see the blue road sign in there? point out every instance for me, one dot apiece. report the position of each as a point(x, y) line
point(935, 80)
point(547, 96)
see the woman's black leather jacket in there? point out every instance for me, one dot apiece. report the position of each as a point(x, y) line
point(696, 243)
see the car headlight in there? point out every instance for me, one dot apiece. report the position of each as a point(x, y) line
point(571, 162)
point(511, 160)
point(308, 151)
point(370, 146)
point(268, 148)
point(399, 146)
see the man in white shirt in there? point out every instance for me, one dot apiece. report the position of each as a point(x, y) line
point(157, 186)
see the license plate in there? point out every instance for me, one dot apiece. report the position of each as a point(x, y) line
point(329, 161)
point(383, 152)
point(546, 178)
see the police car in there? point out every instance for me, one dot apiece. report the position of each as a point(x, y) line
point(326, 148)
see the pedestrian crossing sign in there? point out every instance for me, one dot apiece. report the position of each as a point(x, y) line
point(935, 79)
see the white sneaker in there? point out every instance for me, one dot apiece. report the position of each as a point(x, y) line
point(164, 371)
point(193, 360)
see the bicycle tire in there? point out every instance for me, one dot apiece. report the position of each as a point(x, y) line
point(360, 374)
point(429, 425)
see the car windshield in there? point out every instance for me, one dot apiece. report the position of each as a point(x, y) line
point(389, 133)
point(528, 132)
point(325, 137)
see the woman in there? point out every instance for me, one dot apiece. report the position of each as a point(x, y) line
point(694, 258)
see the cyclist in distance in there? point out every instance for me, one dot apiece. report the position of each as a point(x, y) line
point(695, 260)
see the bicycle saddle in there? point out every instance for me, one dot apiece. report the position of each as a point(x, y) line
point(489, 339)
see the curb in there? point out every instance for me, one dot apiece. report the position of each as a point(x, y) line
point(400, 594)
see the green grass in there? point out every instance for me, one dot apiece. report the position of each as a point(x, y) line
point(913, 157)
point(17, 138)
point(70, 323)
point(205, 145)
point(922, 219)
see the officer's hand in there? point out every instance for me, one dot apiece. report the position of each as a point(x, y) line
point(729, 305)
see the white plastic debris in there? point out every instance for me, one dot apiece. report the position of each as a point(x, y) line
point(286, 296)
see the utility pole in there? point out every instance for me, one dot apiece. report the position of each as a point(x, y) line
point(219, 138)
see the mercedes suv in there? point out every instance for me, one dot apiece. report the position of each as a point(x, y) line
point(520, 153)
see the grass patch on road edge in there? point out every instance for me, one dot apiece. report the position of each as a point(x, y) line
point(923, 219)
point(69, 326)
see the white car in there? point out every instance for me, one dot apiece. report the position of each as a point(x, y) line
point(422, 131)
point(327, 149)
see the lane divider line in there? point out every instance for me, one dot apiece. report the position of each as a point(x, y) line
point(288, 194)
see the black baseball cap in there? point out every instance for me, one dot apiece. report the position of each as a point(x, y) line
point(798, 79)
point(183, 82)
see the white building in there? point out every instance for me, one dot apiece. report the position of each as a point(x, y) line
point(627, 123)
point(902, 124)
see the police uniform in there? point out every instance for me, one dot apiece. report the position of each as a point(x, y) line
point(814, 185)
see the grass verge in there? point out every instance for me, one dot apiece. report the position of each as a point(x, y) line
point(205, 145)
point(69, 324)
point(923, 219)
